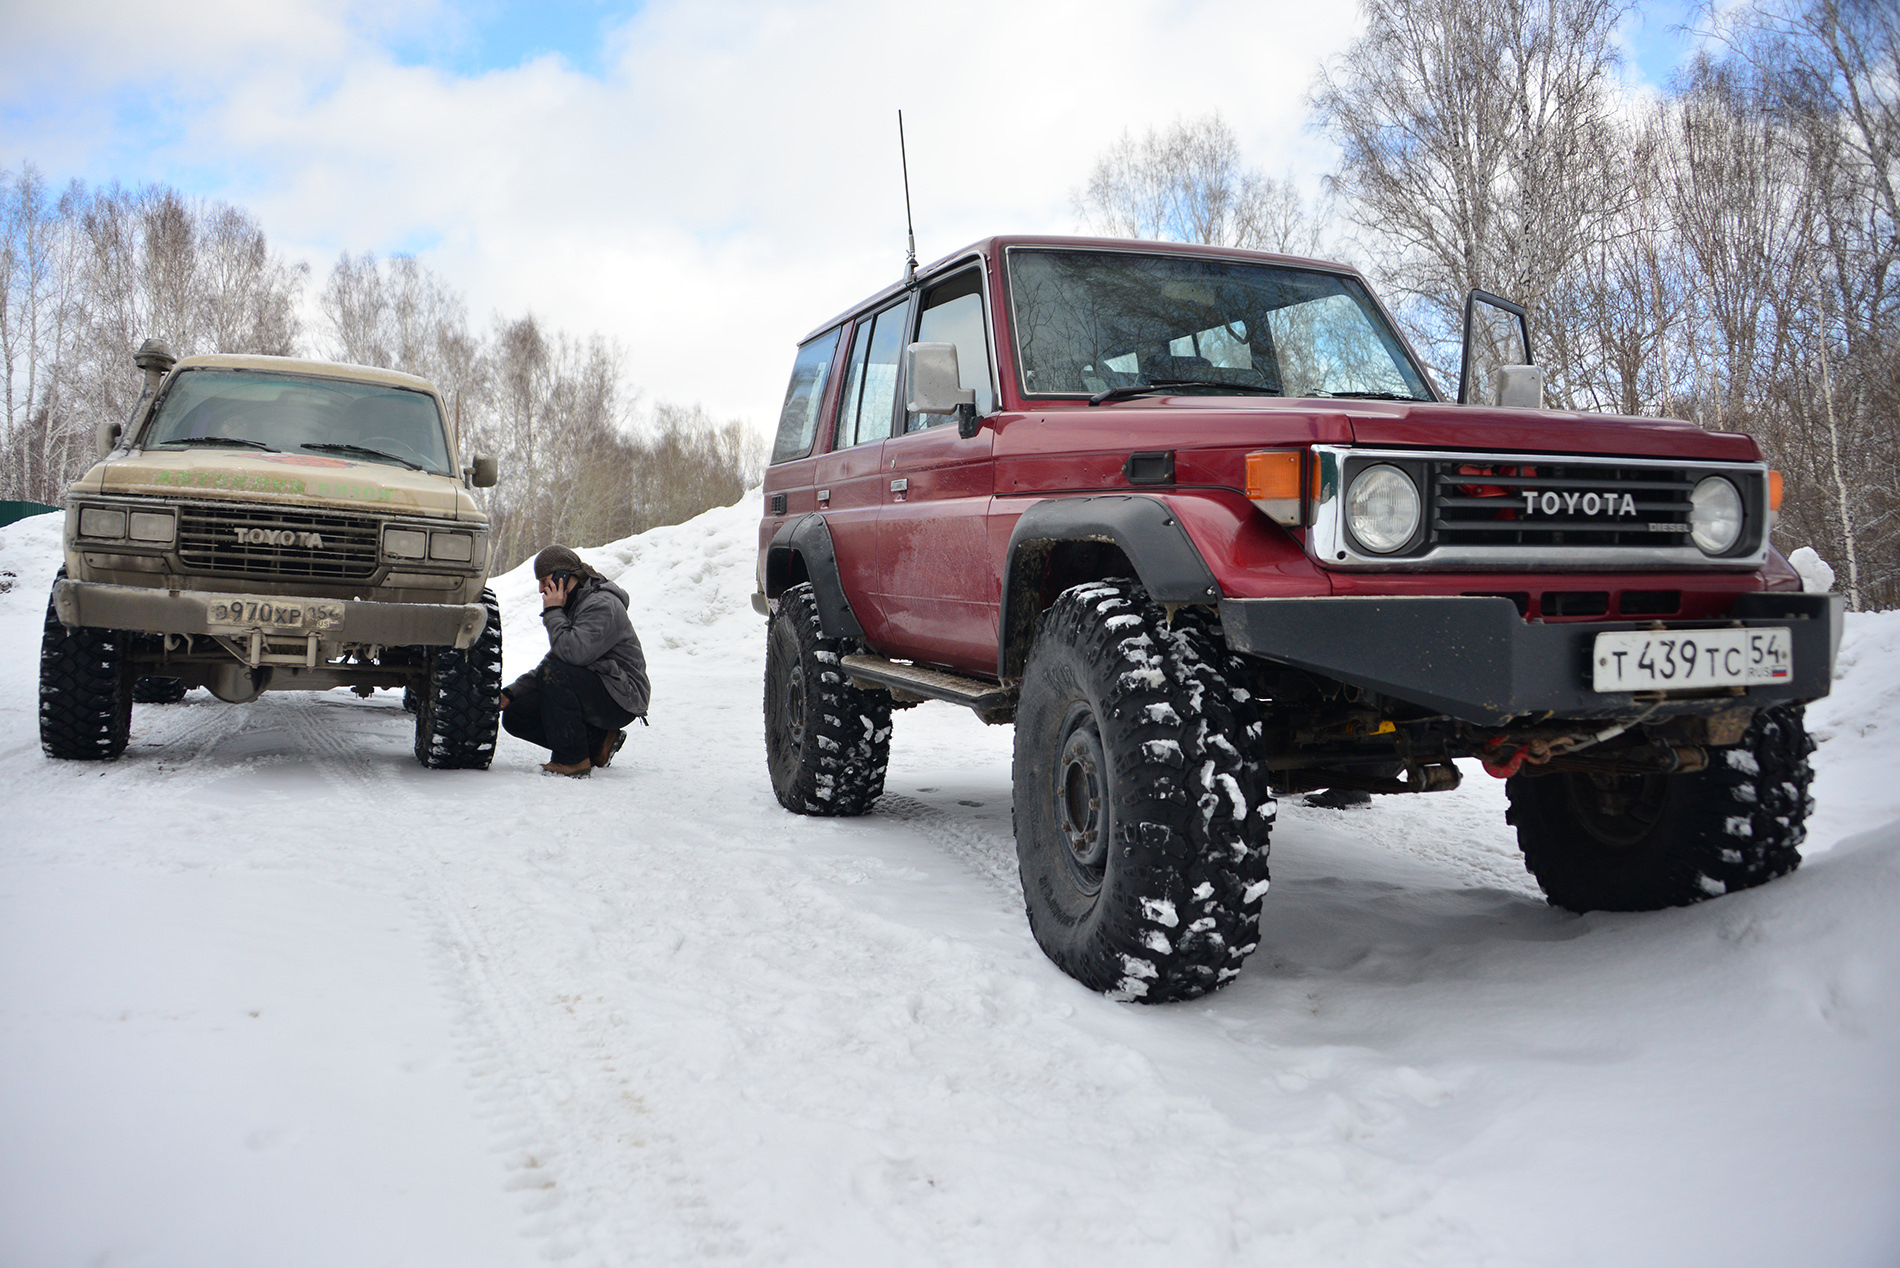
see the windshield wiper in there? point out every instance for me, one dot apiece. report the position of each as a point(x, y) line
point(365, 451)
point(1159, 385)
point(237, 442)
point(1369, 396)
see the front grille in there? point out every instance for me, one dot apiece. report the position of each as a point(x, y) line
point(1509, 511)
point(281, 543)
point(1569, 504)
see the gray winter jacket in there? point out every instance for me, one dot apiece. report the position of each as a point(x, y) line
point(593, 629)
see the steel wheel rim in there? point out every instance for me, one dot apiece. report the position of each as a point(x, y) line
point(1081, 795)
point(1617, 812)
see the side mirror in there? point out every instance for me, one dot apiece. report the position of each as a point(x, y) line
point(106, 438)
point(936, 386)
point(1520, 386)
point(485, 471)
point(1497, 334)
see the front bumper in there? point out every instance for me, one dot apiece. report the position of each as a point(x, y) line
point(150, 611)
point(1476, 659)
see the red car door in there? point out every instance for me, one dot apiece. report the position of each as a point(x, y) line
point(849, 482)
point(941, 591)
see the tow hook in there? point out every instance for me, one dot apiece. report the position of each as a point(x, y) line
point(1540, 749)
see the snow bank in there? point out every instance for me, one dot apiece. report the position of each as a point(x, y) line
point(691, 585)
point(1857, 733)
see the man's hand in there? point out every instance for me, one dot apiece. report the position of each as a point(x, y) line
point(504, 700)
point(554, 593)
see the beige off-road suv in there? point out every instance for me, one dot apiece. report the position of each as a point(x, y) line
point(268, 524)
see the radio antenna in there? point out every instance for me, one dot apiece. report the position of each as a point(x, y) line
point(910, 261)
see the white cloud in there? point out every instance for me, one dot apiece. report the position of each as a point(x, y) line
point(728, 182)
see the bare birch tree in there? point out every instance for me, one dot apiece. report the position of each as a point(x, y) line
point(87, 278)
point(1189, 184)
point(1480, 149)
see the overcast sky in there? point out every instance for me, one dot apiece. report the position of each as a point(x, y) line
point(703, 182)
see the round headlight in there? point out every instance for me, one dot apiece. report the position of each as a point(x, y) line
point(1382, 508)
point(1715, 515)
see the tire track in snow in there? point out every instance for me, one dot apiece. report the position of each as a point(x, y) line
point(990, 855)
point(533, 1081)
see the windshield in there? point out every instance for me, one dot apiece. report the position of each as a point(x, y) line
point(1114, 322)
point(296, 413)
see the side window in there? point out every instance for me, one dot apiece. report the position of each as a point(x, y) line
point(953, 313)
point(798, 421)
point(870, 397)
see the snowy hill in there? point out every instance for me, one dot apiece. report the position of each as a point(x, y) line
point(272, 993)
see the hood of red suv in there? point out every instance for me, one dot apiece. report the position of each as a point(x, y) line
point(1439, 426)
point(1200, 421)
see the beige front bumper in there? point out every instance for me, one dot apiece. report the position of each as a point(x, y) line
point(82, 603)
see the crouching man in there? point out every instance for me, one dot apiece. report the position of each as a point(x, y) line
point(592, 683)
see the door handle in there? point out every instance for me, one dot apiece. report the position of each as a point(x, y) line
point(900, 485)
point(824, 497)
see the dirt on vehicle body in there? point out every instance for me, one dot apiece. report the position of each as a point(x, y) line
point(267, 524)
point(1198, 523)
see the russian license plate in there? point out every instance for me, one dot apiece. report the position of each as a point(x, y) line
point(283, 616)
point(1684, 660)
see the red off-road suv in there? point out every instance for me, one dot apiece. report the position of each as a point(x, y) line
point(1199, 524)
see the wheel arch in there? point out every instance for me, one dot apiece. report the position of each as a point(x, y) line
point(1062, 542)
point(801, 551)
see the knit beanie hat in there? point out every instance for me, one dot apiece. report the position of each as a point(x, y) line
point(560, 559)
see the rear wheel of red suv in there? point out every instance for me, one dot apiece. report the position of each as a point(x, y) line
point(1599, 842)
point(1140, 831)
point(827, 741)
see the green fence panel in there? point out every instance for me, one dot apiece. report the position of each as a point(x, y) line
point(11, 511)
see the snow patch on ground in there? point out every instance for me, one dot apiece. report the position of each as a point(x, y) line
point(271, 993)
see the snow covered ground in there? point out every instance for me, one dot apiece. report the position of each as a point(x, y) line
point(270, 993)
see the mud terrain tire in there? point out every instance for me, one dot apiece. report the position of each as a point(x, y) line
point(1644, 842)
point(85, 691)
point(459, 707)
point(153, 689)
point(827, 741)
point(1140, 831)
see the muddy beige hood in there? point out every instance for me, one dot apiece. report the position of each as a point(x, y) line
point(293, 479)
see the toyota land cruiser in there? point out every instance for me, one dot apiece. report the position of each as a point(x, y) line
point(1199, 523)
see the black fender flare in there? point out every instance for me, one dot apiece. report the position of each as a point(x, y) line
point(1145, 529)
point(808, 539)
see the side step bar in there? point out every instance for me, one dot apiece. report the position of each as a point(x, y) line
point(993, 703)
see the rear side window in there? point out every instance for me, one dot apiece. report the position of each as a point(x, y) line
point(798, 421)
point(870, 389)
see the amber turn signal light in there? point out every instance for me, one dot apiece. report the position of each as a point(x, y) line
point(1275, 484)
point(1774, 490)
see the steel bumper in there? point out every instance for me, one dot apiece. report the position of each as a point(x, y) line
point(1476, 659)
point(84, 603)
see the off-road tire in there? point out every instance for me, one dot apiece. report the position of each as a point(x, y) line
point(827, 741)
point(459, 706)
point(1644, 842)
point(154, 689)
point(1141, 831)
point(85, 691)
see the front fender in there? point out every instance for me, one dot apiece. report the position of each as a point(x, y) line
point(1144, 529)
